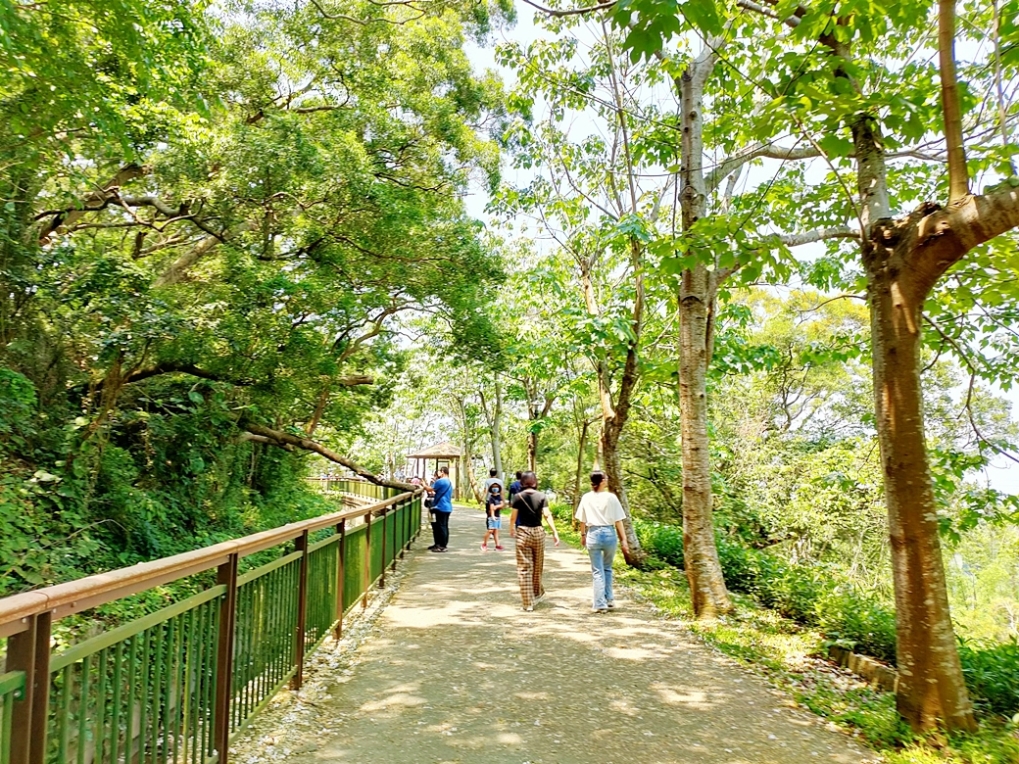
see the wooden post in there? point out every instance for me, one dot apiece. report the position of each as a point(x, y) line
point(22, 654)
point(226, 575)
point(301, 544)
point(341, 529)
point(41, 680)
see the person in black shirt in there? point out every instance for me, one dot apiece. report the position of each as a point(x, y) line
point(529, 508)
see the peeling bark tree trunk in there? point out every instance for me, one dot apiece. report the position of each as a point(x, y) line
point(697, 291)
point(708, 593)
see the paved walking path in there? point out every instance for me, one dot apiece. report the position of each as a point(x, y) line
point(454, 671)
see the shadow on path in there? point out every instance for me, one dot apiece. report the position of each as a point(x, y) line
point(455, 671)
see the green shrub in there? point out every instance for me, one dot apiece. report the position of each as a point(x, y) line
point(18, 399)
point(563, 513)
point(796, 592)
point(740, 565)
point(992, 675)
point(663, 541)
point(858, 622)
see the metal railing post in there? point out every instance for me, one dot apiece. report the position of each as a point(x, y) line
point(302, 610)
point(367, 559)
point(226, 574)
point(341, 529)
point(382, 559)
point(397, 519)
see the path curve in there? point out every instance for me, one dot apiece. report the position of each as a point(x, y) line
point(455, 671)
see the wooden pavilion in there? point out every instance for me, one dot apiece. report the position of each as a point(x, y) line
point(429, 460)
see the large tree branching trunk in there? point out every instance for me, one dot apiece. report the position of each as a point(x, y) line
point(903, 260)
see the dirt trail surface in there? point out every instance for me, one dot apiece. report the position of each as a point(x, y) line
point(452, 670)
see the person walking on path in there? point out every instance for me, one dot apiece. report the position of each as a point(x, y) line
point(493, 477)
point(529, 508)
point(601, 520)
point(514, 488)
point(442, 507)
point(493, 507)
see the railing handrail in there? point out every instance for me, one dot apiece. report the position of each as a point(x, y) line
point(92, 591)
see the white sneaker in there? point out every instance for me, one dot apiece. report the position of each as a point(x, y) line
point(529, 609)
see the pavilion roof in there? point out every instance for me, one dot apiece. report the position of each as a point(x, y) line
point(444, 450)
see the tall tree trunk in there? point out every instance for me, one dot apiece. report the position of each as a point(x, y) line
point(532, 445)
point(697, 290)
point(494, 420)
point(614, 415)
point(931, 685)
point(611, 430)
point(700, 553)
point(581, 448)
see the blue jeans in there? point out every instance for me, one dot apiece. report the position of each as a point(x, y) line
point(601, 546)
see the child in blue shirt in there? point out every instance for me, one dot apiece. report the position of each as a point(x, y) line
point(493, 504)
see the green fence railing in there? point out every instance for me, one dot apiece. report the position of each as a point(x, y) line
point(356, 487)
point(12, 687)
point(176, 686)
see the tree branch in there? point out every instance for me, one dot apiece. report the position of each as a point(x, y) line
point(969, 392)
point(758, 151)
point(958, 175)
point(64, 218)
point(790, 21)
point(941, 236)
point(571, 11)
point(821, 234)
point(179, 267)
point(284, 439)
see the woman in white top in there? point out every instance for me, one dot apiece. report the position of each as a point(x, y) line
point(601, 520)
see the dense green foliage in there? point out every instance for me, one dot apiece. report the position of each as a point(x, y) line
point(213, 216)
point(217, 215)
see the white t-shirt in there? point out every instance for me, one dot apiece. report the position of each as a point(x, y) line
point(599, 508)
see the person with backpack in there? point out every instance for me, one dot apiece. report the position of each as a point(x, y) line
point(530, 508)
point(493, 506)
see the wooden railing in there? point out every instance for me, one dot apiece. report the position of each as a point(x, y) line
point(177, 685)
